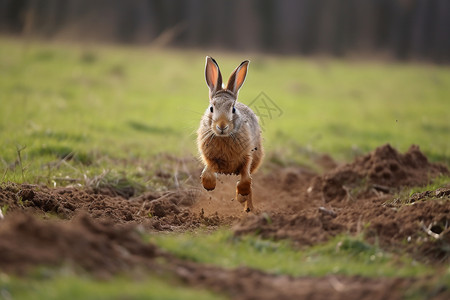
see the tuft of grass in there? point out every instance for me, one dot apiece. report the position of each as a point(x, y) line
point(343, 255)
point(4, 208)
point(118, 183)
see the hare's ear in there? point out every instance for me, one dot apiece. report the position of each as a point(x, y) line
point(213, 76)
point(237, 78)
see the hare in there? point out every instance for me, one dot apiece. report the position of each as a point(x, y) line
point(229, 136)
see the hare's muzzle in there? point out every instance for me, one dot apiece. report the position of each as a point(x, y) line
point(222, 129)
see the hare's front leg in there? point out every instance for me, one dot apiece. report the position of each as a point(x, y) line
point(208, 179)
point(244, 187)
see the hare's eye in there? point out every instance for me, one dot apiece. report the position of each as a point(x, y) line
point(211, 109)
point(234, 110)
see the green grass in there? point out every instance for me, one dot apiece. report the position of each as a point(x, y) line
point(342, 255)
point(78, 287)
point(437, 183)
point(76, 110)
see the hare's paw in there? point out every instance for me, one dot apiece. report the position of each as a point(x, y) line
point(244, 187)
point(246, 201)
point(248, 207)
point(209, 182)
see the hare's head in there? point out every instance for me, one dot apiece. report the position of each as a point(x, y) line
point(222, 113)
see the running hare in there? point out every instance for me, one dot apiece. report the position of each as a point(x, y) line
point(229, 137)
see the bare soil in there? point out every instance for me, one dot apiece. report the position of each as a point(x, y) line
point(98, 230)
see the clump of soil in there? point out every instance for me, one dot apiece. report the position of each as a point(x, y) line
point(383, 170)
point(101, 248)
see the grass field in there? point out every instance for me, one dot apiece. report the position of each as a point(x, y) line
point(72, 113)
point(99, 106)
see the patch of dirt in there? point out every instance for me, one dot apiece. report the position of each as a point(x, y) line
point(98, 247)
point(306, 228)
point(105, 249)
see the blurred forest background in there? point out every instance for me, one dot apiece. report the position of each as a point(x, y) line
point(401, 29)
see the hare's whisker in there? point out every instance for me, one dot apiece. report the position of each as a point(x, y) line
point(207, 134)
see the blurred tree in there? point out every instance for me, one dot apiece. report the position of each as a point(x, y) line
point(418, 29)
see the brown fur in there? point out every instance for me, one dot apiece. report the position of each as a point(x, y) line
point(229, 142)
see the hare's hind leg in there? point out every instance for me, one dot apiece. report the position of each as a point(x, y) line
point(244, 186)
point(208, 179)
point(246, 200)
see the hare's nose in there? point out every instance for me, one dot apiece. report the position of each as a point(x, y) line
point(222, 128)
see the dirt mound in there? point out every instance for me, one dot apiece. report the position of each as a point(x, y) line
point(353, 197)
point(154, 210)
point(101, 248)
point(420, 228)
point(382, 170)
point(66, 202)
